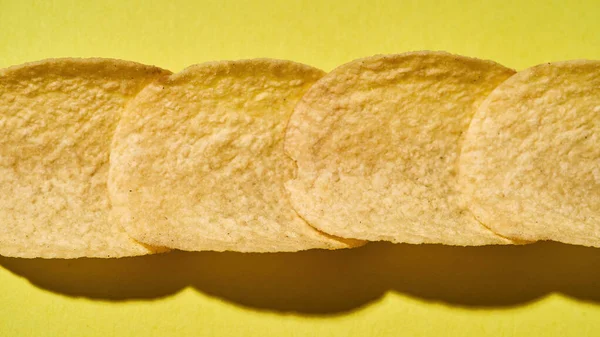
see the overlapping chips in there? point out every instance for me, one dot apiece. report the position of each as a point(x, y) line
point(109, 158)
point(530, 164)
point(198, 161)
point(376, 142)
point(57, 118)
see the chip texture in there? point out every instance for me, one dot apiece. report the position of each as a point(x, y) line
point(530, 165)
point(198, 161)
point(376, 142)
point(57, 118)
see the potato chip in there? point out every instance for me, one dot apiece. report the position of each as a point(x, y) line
point(198, 161)
point(376, 142)
point(57, 118)
point(530, 165)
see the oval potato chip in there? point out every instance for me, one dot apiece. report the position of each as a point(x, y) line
point(530, 165)
point(57, 118)
point(376, 142)
point(198, 161)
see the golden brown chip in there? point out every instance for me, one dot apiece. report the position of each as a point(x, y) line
point(376, 142)
point(530, 165)
point(198, 161)
point(57, 118)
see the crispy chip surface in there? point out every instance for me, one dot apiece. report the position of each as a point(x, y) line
point(530, 165)
point(198, 161)
point(377, 141)
point(57, 118)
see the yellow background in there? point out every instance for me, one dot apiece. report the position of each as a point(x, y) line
point(544, 289)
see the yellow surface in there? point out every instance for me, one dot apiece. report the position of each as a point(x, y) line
point(543, 289)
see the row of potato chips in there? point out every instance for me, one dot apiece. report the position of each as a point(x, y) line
point(110, 158)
